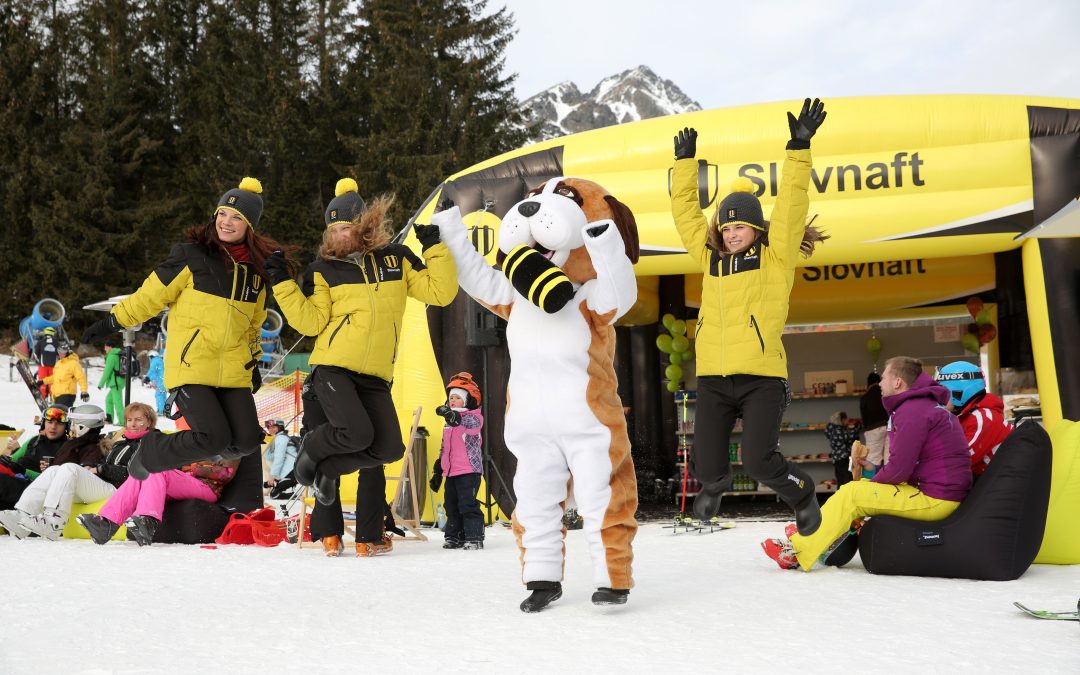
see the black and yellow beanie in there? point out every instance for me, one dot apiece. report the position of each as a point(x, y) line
point(346, 204)
point(741, 206)
point(245, 200)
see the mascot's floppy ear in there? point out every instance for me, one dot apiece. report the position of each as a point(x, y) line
point(627, 224)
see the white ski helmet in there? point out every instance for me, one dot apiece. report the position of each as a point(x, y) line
point(85, 417)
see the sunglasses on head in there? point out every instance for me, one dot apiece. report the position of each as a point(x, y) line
point(55, 415)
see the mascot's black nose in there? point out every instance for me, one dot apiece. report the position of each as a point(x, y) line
point(528, 209)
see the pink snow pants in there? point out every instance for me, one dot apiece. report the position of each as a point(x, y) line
point(147, 497)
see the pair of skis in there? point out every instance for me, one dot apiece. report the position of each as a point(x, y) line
point(683, 524)
point(23, 366)
point(1055, 616)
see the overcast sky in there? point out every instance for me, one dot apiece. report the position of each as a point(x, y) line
point(723, 53)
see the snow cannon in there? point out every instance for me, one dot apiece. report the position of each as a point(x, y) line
point(47, 313)
point(271, 332)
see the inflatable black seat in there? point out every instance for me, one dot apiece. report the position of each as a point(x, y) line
point(994, 534)
point(193, 521)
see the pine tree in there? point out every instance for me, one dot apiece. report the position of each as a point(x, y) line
point(437, 100)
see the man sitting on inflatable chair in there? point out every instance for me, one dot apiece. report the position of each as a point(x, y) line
point(927, 476)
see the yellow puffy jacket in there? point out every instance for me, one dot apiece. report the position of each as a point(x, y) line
point(356, 305)
point(67, 376)
point(216, 310)
point(745, 297)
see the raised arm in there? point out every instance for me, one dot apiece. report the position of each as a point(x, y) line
point(788, 221)
point(307, 310)
point(433, 281)
point(479, 279)
point(691, 223)
point(614, 290)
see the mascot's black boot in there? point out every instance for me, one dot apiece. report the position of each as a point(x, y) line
point(707, 502)
point(543, 594)
point(610, 596)
point(797, 490)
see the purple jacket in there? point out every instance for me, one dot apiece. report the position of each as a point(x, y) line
point(927, 447)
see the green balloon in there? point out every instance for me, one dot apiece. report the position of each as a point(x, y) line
point(983, 317)
point(675, 358)
point(673, 373)
point(673, 387)
point(663, 343)
point(680, 343)
point(667, 320)
point(678, 327)
point(971, 343)
point(688, 355)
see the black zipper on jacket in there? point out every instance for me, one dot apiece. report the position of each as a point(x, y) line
point(188, 345)
point(340, 326)
point(753, 322)
point(394, 360)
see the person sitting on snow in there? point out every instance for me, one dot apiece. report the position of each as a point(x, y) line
point(22, 464)
point(981, 414)
point(926, 477)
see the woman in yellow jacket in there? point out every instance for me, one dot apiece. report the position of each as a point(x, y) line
point(353, 298)
point(67, 377)
point(213, 285)
point(749, 269)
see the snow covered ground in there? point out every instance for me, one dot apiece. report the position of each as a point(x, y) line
point(709, 603)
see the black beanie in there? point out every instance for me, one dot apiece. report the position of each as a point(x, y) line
point(346, 205)
point(245, 200)
point(741, 206)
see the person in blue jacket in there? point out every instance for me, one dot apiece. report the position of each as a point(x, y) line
point(155, 377)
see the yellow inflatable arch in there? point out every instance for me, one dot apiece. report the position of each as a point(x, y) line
point(917, 192)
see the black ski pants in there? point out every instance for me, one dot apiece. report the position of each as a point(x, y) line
point(223, 423)
point(361, 429)
point(464, 519)
point(328, 521)
point(761, 401)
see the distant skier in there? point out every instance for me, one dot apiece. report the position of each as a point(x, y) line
point(111, 378)
point(67, 378)
point(155, 377)
point(45, 349)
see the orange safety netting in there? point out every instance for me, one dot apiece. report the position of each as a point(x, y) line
point(280, 399)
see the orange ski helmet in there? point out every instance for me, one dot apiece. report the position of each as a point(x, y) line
point(465, 381)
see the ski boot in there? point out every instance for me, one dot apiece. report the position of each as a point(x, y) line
point(49, 527)
point(332, 546)
point(780, 552)
point(707, 502)
point(101, 529)
point(543, 594)
point(10, 521)
point(610, 596)
point(142, 529)
point(473, 545)
point(797, 490)
point(453, 543)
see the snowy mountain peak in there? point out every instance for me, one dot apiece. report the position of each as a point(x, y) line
point(629, 96)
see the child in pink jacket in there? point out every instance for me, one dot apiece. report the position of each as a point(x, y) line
point(461, 462)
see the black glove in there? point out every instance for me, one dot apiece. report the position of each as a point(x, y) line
point(277, 269)
point(686, 144)
point(38, 384)
point(452, 417)
point(803, 129)
point(99, 330)
point(436, 476)
point(427, 234)
point(445, 204)
point(85, 396)
point(256, 379)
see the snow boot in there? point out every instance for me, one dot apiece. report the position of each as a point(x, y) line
point(610, 596)
point(453, 543)
point(49, 527)
point(10, 521)
point(543, 594)
point(326, 489)
point(707, 502)
point(142, 529)
point(781, 552)
point(473, 545)
point(368, 549)
point(101, 529)
point(332, 546)
point(798, 491)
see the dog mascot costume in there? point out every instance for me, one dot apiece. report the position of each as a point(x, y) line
point(567, 277)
